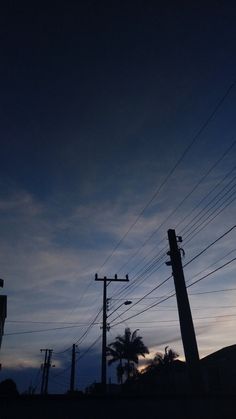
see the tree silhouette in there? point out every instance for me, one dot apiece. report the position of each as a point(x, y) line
point(169, 356)
point(161, 359)
point(115, 351)
point(127, 347)
point(8, 388)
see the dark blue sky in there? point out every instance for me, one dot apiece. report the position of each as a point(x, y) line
point(98, 102)
point(88, 86)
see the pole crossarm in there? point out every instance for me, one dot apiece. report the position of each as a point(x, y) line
point(126, 279)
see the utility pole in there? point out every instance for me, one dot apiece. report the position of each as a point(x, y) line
point(105, 326)
point(72, 373)
point(185, 315)
point(3, 311)
point(46, 368)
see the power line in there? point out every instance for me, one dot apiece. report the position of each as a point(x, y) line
point(190, 293)
point(81, 339)
point(42, 330)
point(90, 347)
point(205, 197)
point(212, 272)
point(82, 296)
point(209, 266)
point(191, 230)
point(197, 323)
point(182, 231)
point(194, 258)
point(211, 219)
point(59, 383)
point(63, 371)
point(145, 296)
point(153, 267)
point(191, 224)
point(199, 132)
point(195, 318)
point(36, 380)
point(44, 322)
point(148, 273)
point(182, 201)
point(183, 219)
point(172, 295)
point(146, 268)
point(143, 271)
point(166, 309)
point(210, 245)
point(214, 263)
point(212, 291)
point(142, 298)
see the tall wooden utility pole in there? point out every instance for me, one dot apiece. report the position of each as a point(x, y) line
point(185, 315)
point(104, 326)
point(72, 373)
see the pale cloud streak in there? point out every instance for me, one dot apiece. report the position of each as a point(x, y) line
point(55, 259)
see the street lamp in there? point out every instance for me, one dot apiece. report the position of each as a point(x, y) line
point(126, 303)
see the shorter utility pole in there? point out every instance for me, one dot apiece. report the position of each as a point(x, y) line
point(43, 366)
point(72, 373)
point(185, 315)
point(105, 326)
point(46, 367)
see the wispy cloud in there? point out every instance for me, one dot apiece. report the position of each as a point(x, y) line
point(49, 259)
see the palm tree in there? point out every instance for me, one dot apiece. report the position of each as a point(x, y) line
point(167, 358)
point(161, 360)
point(115, 351)
point(127, 347)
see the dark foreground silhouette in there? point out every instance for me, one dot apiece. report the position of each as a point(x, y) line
point(162, 390)
point(114, 407)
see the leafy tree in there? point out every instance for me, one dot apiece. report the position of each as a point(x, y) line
point(127, 347)
point(162, 375)
point(8, 388)
point(162, 359)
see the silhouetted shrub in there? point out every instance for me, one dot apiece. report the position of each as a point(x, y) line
point(8, 388)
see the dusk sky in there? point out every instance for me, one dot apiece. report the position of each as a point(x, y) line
point(117, 123)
